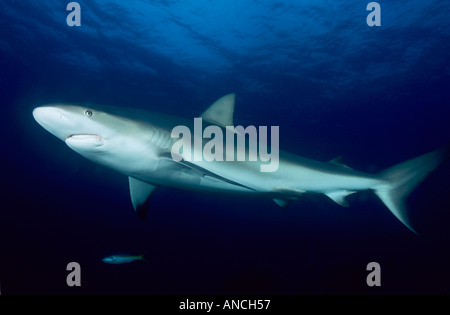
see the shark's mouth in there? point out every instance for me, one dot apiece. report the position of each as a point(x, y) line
point(84, 141)
point(87, 137)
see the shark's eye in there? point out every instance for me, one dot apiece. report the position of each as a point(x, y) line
point(88, 113)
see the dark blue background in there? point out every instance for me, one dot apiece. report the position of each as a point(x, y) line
point(335, 86)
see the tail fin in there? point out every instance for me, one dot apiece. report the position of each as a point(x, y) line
point(142, 258)
point(403, 178)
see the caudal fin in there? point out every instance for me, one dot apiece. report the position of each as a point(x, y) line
point(143, 258)
point(403, 178)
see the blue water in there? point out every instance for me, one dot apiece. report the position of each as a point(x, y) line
point(334, 86)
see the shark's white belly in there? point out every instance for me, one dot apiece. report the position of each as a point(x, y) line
point(246, 177)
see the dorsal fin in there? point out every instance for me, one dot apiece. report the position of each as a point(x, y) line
point(221, 111)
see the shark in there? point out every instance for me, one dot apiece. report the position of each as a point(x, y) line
point(138, 144)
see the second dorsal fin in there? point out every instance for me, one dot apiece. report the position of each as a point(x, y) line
point(339, 161)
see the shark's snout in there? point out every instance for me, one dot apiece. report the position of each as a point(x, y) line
point(54, 120)
point(48, 116)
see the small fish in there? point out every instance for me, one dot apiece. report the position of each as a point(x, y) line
point(122, 259)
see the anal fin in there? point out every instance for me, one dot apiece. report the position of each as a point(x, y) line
point(283, 203)
point(339, 196)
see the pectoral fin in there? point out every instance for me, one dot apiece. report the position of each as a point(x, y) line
point(140, 193)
